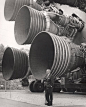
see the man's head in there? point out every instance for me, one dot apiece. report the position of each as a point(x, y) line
point(48, 71)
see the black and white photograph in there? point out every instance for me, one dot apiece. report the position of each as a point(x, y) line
point(43, 53)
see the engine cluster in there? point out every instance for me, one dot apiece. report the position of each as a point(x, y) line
point(55, 38)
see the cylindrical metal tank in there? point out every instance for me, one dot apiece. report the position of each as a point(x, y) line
point(14, 64)
point(29, 22)
point(12, 7)
point(49, 51)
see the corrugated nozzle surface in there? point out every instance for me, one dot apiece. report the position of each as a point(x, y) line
point(49, 51)
point(14, 64)
point(30, 22)
point(12, 7)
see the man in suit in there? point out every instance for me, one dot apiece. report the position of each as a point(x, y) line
point(48, 84)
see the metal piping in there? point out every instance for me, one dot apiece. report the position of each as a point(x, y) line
point(29, 22)
point(49, 51)
point(14, 64)
point(12, 7)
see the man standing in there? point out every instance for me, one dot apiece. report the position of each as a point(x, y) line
point(48, 84)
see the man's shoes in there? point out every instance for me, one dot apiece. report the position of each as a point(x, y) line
point(50, 103)
point(46, 104)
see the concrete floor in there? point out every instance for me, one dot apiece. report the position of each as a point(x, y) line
point(25, 98)
point(11, 103)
